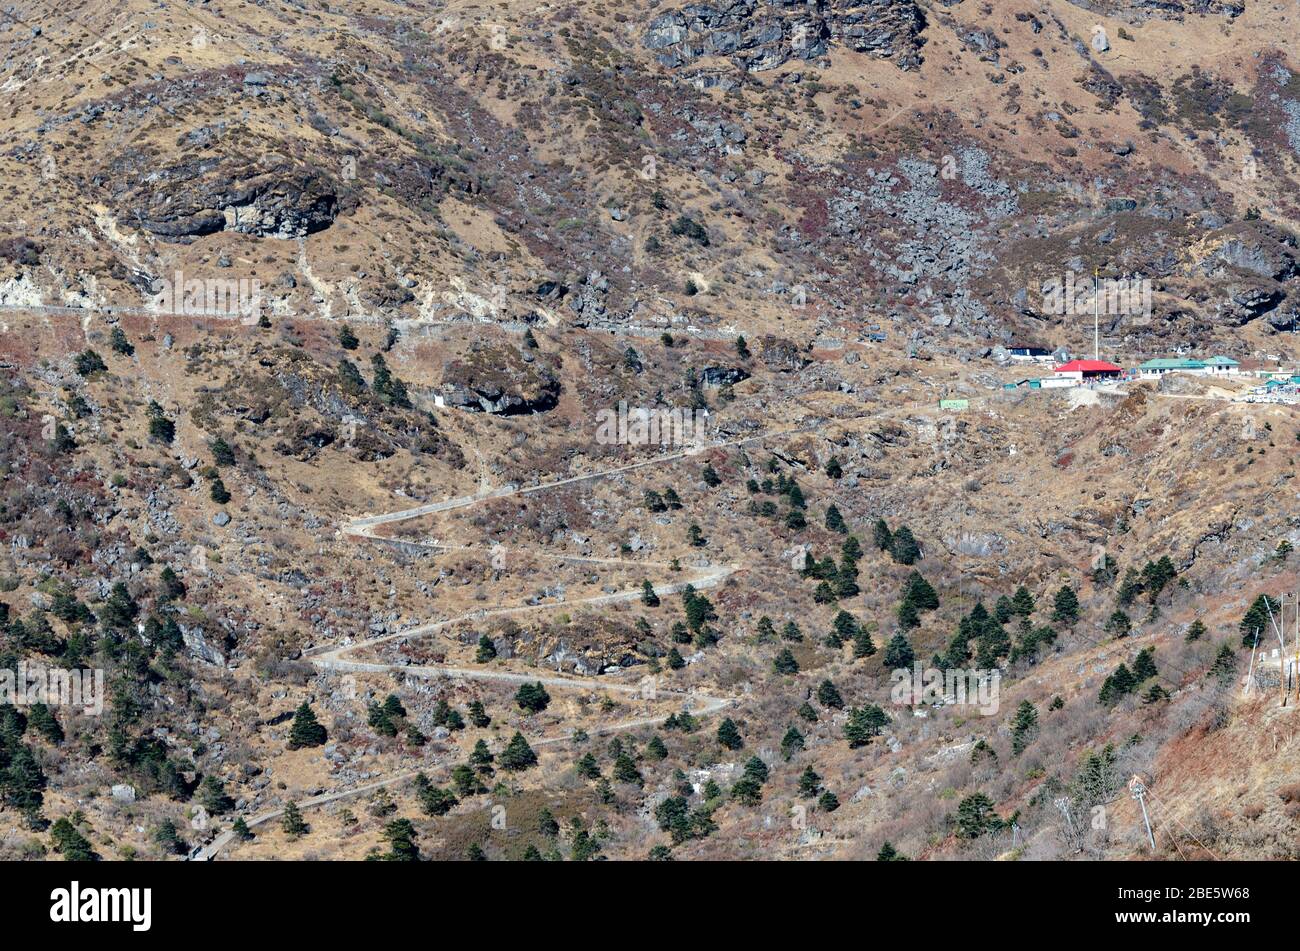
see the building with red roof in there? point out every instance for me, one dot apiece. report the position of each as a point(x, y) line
point(1089, 370)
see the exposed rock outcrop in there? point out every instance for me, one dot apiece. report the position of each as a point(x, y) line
point(763, 34)
point(500, 381)
point(203, 198)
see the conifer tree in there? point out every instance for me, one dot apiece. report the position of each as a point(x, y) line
point(881, 535)
point(903, 547)
point(785, 662)
point(518, 755)
point(863, 645)
point(1024, 726)
point(1065, 606)
point(305, 730)
point(729, 735)
point(792, 742)
point(292, 822)
point(828, 695)
point(898, 652)
point(809, 782)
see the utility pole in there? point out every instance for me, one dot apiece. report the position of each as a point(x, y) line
point(1251, 670)
point(1139, 790)
point(1064, 805)
point(1096, 314)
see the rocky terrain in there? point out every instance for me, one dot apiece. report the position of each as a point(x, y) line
point(273, 274)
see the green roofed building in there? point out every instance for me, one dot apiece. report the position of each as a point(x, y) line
point(1214, 366)
point(1153, 369)
point(1222, 366)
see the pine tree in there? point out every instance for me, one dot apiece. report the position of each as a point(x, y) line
point(828, 802)
point(729, 735)
point(1144, 666)
point(903, 548)
point(756, 770)
point(742, 348)
point(518, 755)
point(1155, 694)
point(306, 730)
point(532, 698)
point(655, 749)
point(785, 662)
point(648, 596)
point(863, 645)
point(547, 824)
point(70, 843)
point(863, 724)
point(846, 580)
point(675, 659)
point(888, 853)
point(898, 653)
point(834, 520)
point(478, 715)
point(625, 770)
point(212, 796)
point(920, 592)
point(400, 835)
point(1118, 624)
point(845, 626)
point(747, 792)
point(1023, 602)
point(88, 363)
point(975, 817)
point(881, 535)
point(1116, 686)
point(487, 651)
point(1024, 727)
point(241, 830)
point(809, 783)
point(710, 476)
point(118, 343)
point(828, 695)
point(587, 767)
point(908, 616)
point(292, 822)
point(792, 742)
point(1065, 606)
point(347, 339)
point(1257, 619)
point(161, 429)
point(42, 720)
point(1225, 663)
point(833, 468)
point(1196, 631)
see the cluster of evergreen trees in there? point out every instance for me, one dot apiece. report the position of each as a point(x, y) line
point(384, 385)
point(835, 581)
point(918, 595)
point(900, 543)
point(782, 487)
point(1124, 681)
point(662, 502)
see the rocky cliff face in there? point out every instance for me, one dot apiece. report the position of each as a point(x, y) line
point(201, 198)
point(1137, 11)
point(763, 34)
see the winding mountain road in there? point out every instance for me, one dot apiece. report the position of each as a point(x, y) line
point(336, 657)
